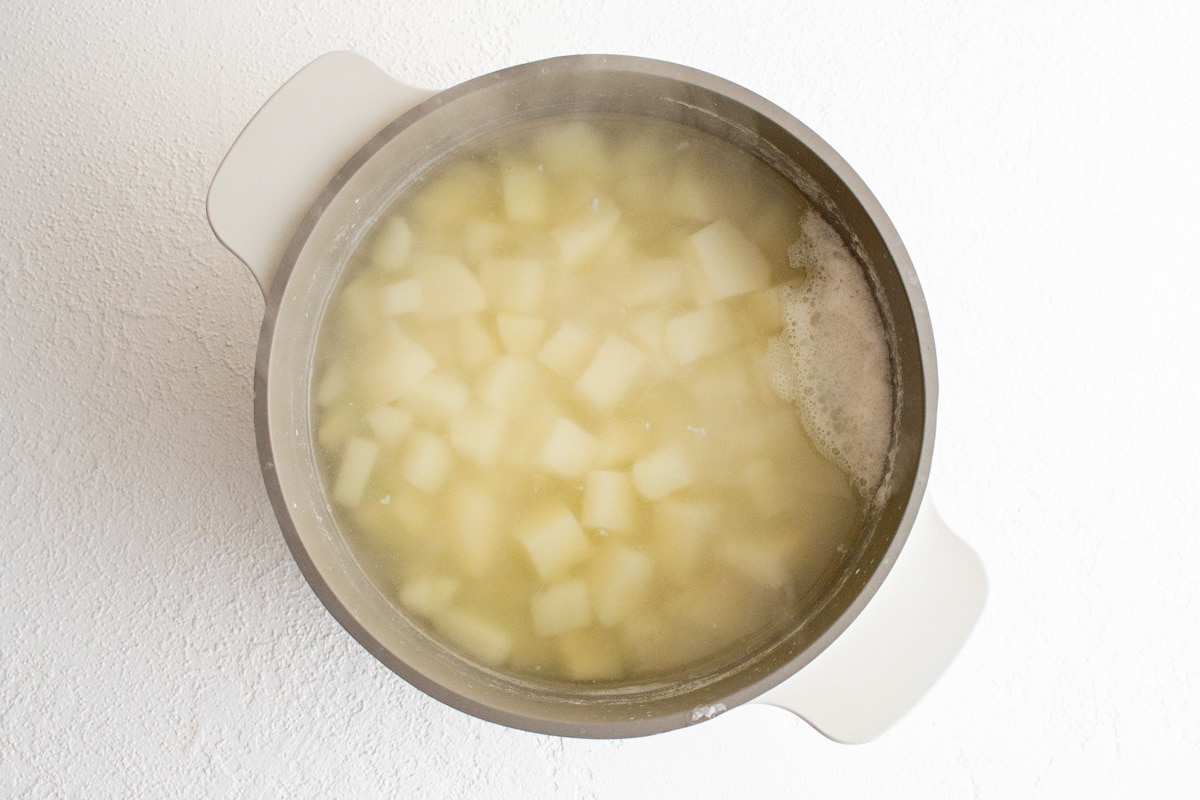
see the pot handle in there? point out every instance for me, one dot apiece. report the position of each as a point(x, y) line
point(900, 644)
point(293, 147)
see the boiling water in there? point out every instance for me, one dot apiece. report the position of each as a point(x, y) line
point(601, 400)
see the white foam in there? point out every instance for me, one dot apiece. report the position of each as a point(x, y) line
point(831, 360)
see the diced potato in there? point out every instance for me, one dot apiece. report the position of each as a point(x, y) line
point(655, 644)
point(769, 489)
point(333, 385)
point(694, 195)
point(483, 238)
point(584, 236)
point(562, 607)
point(620, 443)
point(359, 306)
point(554, 542)
point(525, 192)
point(477, 432)
point(430, 595)
point(620, 581)
point(682, 530)
point(514, 284)
point(338, 424)
point(389, 424)
point(392, 244)
point(427, 461)
point(477, 536)
point(647, 328)
point(571, 148)
point(388, 366)
point(763, 561)
point(476, 345)
point(696, 334)
point(570, 450)
point(521, 334)
point(663, 471)
point(566, 353)
point(611, 373)
point(608, 501)
point(761, 313)
point(590, 655)
point(732, 263)
point(450, 288)
point(509, 384)
point(651, 281)
point(403, 297)
point(412, 508)
point(462, 192)
point(485, 641)
point(358, 459)
point(438, 397)
point(529, 431)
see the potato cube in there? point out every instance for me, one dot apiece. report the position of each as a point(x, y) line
point(359, 306)
point(732, 263)
point(520, 334)
point(388, 423)
point(647, 328)
point(608, 501)
point(570, 148)
point(651, 281)
point(619, 581)
point(590, 655)
point(450, 288)
point(438, 397)
point(392, 244)
point(430, 595)
point(663, 471)
point(694, 195)
point(696, 334)
point(476, 345)
point(761, 313)
point(682, 529)
point(762, 561)
point(566, 353)
point(403, 297)
point(525, 191)
point(358, 459)
point(483, 640)
point(611, 373)
point(569, 450)
point(514, 284)
point(554, 542)
point(584, 236)
point(620, 443)
point(331, 386)
point(462, 192)
point(477, 432)
point(388, 366)
point(338, 424)
point(427, 461)
point(769, 489)
point(476, 532)
point(510, 383)
point(562, 607)
point(483, 238)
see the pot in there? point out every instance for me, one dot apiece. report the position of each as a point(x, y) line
point(324, 158)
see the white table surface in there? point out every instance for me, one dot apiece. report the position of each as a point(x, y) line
point(1040, 161)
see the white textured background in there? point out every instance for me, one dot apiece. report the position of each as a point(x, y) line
point(1041, 163)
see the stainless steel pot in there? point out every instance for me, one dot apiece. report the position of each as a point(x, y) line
point(330, 151)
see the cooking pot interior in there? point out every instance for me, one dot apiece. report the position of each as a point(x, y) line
point(367, 186)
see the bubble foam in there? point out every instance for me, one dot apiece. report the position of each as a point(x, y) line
point(831, 360)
